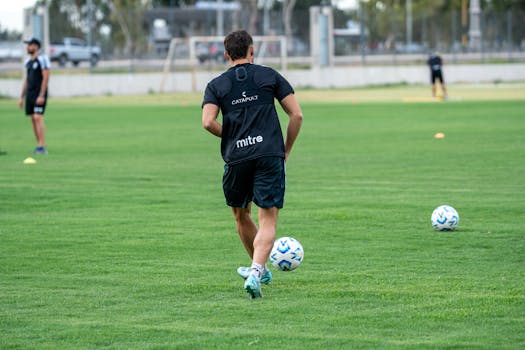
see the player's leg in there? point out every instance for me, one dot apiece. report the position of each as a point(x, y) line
point(40, 128)
point(262, 245)
point(35, 128)
point(443, 87)
point(433, 83)
point(245, 227)
point(268, 194)
point(30, 112)
point(263, 242)
point(269, 187)
point(237, 185)
point(40, 131)
point(247, 230)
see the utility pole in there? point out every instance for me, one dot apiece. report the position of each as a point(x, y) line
point(266, 18)
point(90, 31)
point(409, 22)
point(220, 18)
point(474, 31)
point(362, 28)
point(464, 22)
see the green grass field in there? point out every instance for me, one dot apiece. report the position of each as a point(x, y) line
point(119, 238)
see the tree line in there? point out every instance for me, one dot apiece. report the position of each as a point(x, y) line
point(121, 22)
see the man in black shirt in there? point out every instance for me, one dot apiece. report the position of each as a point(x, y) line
point(252, 147)
point(435, 64)
point(35, 91)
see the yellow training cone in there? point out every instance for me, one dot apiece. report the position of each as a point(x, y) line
point(29, 160)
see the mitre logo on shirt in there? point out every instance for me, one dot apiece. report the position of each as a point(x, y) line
point(245, 99)
point(249, 141)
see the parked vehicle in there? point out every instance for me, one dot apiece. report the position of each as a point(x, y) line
point(11, 51)
point(211, 52)
point(411, 48)
point(73, 50)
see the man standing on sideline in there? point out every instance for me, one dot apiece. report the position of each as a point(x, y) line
point(35, 91)
point(436, 63)
point(252, 147)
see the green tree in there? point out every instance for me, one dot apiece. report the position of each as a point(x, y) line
point(60, 24)
point(123, 18)
point(9, 35)
point(69, 18)
point(128, 17)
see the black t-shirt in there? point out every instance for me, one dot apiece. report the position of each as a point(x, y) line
point(250, 125)
point(34, 70)
point(435, 63)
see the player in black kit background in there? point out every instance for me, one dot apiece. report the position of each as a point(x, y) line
point(435, 63)
point(34, 91)
point(252, 147)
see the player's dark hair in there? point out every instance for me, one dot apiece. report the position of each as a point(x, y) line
point(237, 44)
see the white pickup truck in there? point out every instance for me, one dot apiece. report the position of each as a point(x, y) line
point(73, 50)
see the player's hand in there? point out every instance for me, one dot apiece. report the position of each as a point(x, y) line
point(40, 100)
point(20, 103)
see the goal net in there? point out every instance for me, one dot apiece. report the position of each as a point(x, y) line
point(205, 52)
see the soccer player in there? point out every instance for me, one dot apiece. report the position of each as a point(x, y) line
point(35, 91)
point(436, 63)
point(252, 147)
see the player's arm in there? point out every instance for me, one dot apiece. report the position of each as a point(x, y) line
point(210, 112)
point(43, 87)
point(292, 108)
point(23, 94)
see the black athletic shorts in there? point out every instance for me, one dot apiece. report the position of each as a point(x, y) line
point(261, 180)
point(32, 107)
point(436, 74)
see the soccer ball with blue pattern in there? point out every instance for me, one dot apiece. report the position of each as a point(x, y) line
point(445, 218)
point(287, 254)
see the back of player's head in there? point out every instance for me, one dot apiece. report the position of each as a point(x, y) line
point(237, 44)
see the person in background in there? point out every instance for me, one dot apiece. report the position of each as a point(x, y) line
point(34, 91)
point(435, 63)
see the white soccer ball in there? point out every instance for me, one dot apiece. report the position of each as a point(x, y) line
point(287, 254)
point(445, 218)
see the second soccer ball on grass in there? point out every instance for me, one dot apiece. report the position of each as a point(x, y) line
point(445, 218)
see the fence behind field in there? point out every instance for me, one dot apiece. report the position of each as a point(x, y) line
point(375, 32)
